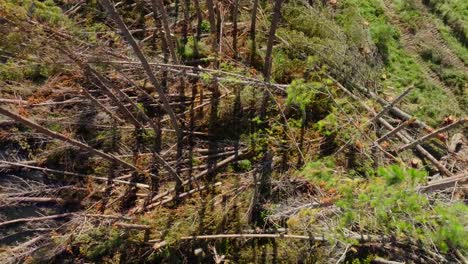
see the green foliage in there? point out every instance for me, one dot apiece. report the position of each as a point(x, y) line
point(312, 94)
point(311, 31)
point(328, 125)
point(250, 95)
point(431, 55)
point(11, 71)
point(452, 41)
point(205, 26)
point(206, 77)
point(284, 69)
point(100, 242)
point(244, 165)
point(23, 53)
point(105, 139)
point(301, 93)
point(390, 204)
point(452, 223)
point(397, 175)
point(193, 49)
point(428, 102)
point(321, 172)
point(409, 14)
point(454, 13)
point(382, 35)
point(55, 127)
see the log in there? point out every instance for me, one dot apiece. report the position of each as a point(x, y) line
point(199, 175)
point(30, 162)
point(393, 103)
point(58, 216)
point(103, 107)
point(65, 139)
point(107, 4)
point(384, 261)
point(394, 110)
point(394, 131)
point(140, 185)
point(405, 139)
point(444, 183)
point(132, 226)
point(195, 73)
point(32, 200)
point(34, 219)
point(159, 6)
point(104, 85)
point(433, 134)
point(182, 195)
point(362, 238)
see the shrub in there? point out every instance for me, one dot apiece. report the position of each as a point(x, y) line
point(382, 35)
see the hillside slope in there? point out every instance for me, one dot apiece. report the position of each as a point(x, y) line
point(233, 131)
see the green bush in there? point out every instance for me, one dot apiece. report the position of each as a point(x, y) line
point(99, 243)
point(382, 35)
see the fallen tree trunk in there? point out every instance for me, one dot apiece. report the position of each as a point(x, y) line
point(144, 62)
point(201, 174)
point(433, 134)
point(444, 183)
point(140, 185)
point(64, 138)
point(393, 103)
point(182, 195)
point(394, 131)
point(322, 239)
point(400, 135)
point(32, 200)
point(34, 219)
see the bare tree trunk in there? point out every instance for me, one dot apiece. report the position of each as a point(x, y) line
point(167, 31)
point(253, 26)
point(433, 134)
point(73, 174)
point(199, 19)
point(394, 131)
point(268, 58)
point(186, 27)
point(123, 28)
point(103, 107)
point(271, 38)
point(63, 138)
point(234, 30)
point(34, 219)
point(211, 16)
point(164, 45)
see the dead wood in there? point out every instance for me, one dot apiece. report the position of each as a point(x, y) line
point(406, 139)
point(394, 131)
point(445, 183)
point(182, 195)
point(34, 219)
point(107, 4)
point(433, 134)
point(64, 138)
point(100, 105)
point(159, 6)
point(132, 226)
point(140, 185)
point(192, 179)
point(31, 200)
point(393, 103)
point(394, 110)
point(319, 239)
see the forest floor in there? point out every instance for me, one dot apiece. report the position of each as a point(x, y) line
point(231, 132)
